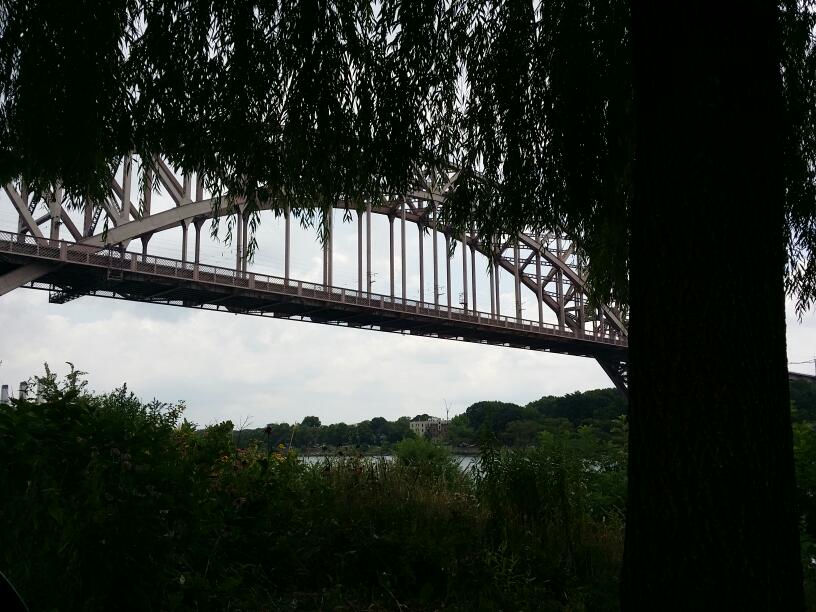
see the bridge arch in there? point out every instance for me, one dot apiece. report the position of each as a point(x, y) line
point(419, 207)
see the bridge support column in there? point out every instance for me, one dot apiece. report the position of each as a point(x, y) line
point(331, 246)
point(286, 244)
point(464, 273)
point(447, 269)
point(238, 229)
point(197, 223)
point(359, 251)
point(184, 226)
point(391, 253)
point(492, 283)
point(420, 237)
point(127, 175)
point(559, 288)
point(325, 248)
point(579, 304)
point(330, 240)
point(147, 195)
point(617, 372)
point(435, 259)
point(244, 240)
point(517, 259)
point(473, 306)
point(402, 245)
point(496, 278)
point(145, 238)
point(187, 188)
point(540, 290)
point(369, 274)
point(328, 248)
point(87, 221)
point(21, 223)
point(55, 210)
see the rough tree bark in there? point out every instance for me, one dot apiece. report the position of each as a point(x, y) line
point(711, 522)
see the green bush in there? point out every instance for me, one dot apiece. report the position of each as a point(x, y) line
point(110, 503)
point(426, 459)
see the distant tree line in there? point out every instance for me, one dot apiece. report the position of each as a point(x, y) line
point(311, 433)
point(514, 425)
point(507, 423)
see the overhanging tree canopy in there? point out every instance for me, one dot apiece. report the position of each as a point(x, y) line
point(308, 102)
point(545, 109)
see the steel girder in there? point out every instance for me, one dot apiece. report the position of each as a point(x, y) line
point(556, 282)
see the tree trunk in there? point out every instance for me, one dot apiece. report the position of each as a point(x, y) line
point(711, 523)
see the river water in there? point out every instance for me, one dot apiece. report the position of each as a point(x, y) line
point(465, 462)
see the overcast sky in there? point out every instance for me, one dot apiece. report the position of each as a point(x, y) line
point(263, 370)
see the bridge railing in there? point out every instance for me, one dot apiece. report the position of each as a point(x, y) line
point(114, 258)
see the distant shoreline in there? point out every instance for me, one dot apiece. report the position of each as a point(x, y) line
point(456, 452)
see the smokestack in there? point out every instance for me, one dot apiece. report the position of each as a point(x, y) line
point(4, 395)
point(23, 394)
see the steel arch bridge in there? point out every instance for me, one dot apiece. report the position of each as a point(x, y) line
point(73, 254)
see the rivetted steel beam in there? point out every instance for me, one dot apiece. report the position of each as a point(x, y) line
point(69, 225)
point(20, 276)
point(330, 240)
point(473, 275)
point(20, 202)
point(127, 168)
point(145, 238)
point(492, 283)
point(559, 287)
point(55, 210)
point(496, 277)
point(87, 222)
point(216, 207)
point(464, 272)
point(238, 228)
point(402, 245)
point(435, 261)
point(448, 268)
point(244, 235)
point(21, 221)
point(421, 243)
point(286, 244)
point(325, 250)
point(197, 223)
point(184, 226)
point(391, 254)
point(540, 289)
point(369, 274)
point(170, 182)
point(209, 208)
point(571, 274)
point(119, 192)
point(517, 273)
point(359, 252)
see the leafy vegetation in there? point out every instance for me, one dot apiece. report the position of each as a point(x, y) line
point(111, 503)
point(506, 423)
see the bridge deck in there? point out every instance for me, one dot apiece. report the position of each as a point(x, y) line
point(75, 270)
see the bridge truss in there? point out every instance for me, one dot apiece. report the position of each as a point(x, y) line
point(53, 249)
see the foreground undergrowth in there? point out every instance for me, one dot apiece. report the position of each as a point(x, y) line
point(111, 503)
